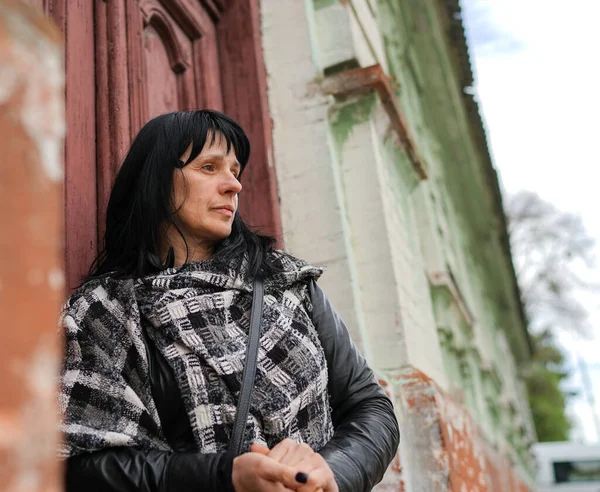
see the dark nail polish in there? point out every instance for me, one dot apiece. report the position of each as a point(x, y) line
point(301, 477)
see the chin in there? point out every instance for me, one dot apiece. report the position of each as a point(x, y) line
point(213, 231)
point(221, 233)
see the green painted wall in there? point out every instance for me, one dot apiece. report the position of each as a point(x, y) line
point(420, 61)
point(447, 223)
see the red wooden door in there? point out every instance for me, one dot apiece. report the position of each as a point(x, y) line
point(129, 60)
point(152, 56)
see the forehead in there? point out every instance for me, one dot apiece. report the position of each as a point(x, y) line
point(213, 147)
point(216, 145)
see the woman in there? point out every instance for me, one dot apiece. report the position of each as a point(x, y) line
point(156, 340)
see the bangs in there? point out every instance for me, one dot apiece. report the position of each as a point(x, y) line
point(204, 126)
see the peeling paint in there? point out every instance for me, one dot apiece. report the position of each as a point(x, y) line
point(321, 4)
point(8, 82)
point(445, 441)
point(32, 449)
point(42, 112)
point(56, 279)
point(442, 447)
point(31, 213)
point(345, 117)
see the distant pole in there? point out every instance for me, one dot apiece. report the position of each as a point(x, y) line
point(589, 393)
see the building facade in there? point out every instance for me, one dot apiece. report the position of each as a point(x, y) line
point(369, 158)
point(384, 177)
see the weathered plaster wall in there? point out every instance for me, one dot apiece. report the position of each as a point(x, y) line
point(460, 456)
point(482, 334)
point(31, 261)
point(307, 172)
point(414, 267)
point(377, 181)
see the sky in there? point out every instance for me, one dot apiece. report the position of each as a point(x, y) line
point(537, 69)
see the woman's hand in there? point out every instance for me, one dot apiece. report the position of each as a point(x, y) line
point(255, 472)
point(302, 457)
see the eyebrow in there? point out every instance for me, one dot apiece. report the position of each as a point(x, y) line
point(220, 158)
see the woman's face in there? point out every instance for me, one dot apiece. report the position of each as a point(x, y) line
point(205, 193)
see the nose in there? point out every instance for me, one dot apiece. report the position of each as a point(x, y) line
point(230, 185)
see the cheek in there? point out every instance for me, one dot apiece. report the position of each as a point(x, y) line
point(180, 191)
point(196, 203)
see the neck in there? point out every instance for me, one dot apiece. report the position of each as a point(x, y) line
point(191, 249)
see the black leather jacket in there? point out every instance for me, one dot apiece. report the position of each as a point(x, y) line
point(365, 440)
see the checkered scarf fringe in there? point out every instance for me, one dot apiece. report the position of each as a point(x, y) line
point(198, 316)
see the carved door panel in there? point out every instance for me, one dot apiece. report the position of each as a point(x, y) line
point(152, 56)
point(173, 52)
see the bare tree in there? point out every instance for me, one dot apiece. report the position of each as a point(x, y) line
point(551, 251)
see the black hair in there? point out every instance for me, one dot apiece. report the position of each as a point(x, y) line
point(140, 200)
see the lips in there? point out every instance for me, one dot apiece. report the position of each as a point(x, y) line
point(228, 210)
point(231, 208)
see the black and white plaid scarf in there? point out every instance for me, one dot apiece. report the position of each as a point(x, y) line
point(198, 316)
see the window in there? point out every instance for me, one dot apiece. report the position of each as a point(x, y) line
point(577, 471)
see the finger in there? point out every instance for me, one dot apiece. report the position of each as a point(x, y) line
point(282, 449)
point(267, 486)
point(283, 488)
point(311, 482)
point(292, 478)
point(259, 448)
point(320, 478)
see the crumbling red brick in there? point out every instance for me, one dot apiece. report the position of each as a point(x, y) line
point(448, 450)
point(31, 258)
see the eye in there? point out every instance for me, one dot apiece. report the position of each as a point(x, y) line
point(209, 167)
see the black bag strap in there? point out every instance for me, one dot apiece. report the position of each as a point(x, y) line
point(241, 415)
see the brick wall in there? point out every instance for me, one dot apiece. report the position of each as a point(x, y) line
point(450, 450)
point(31, 262)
